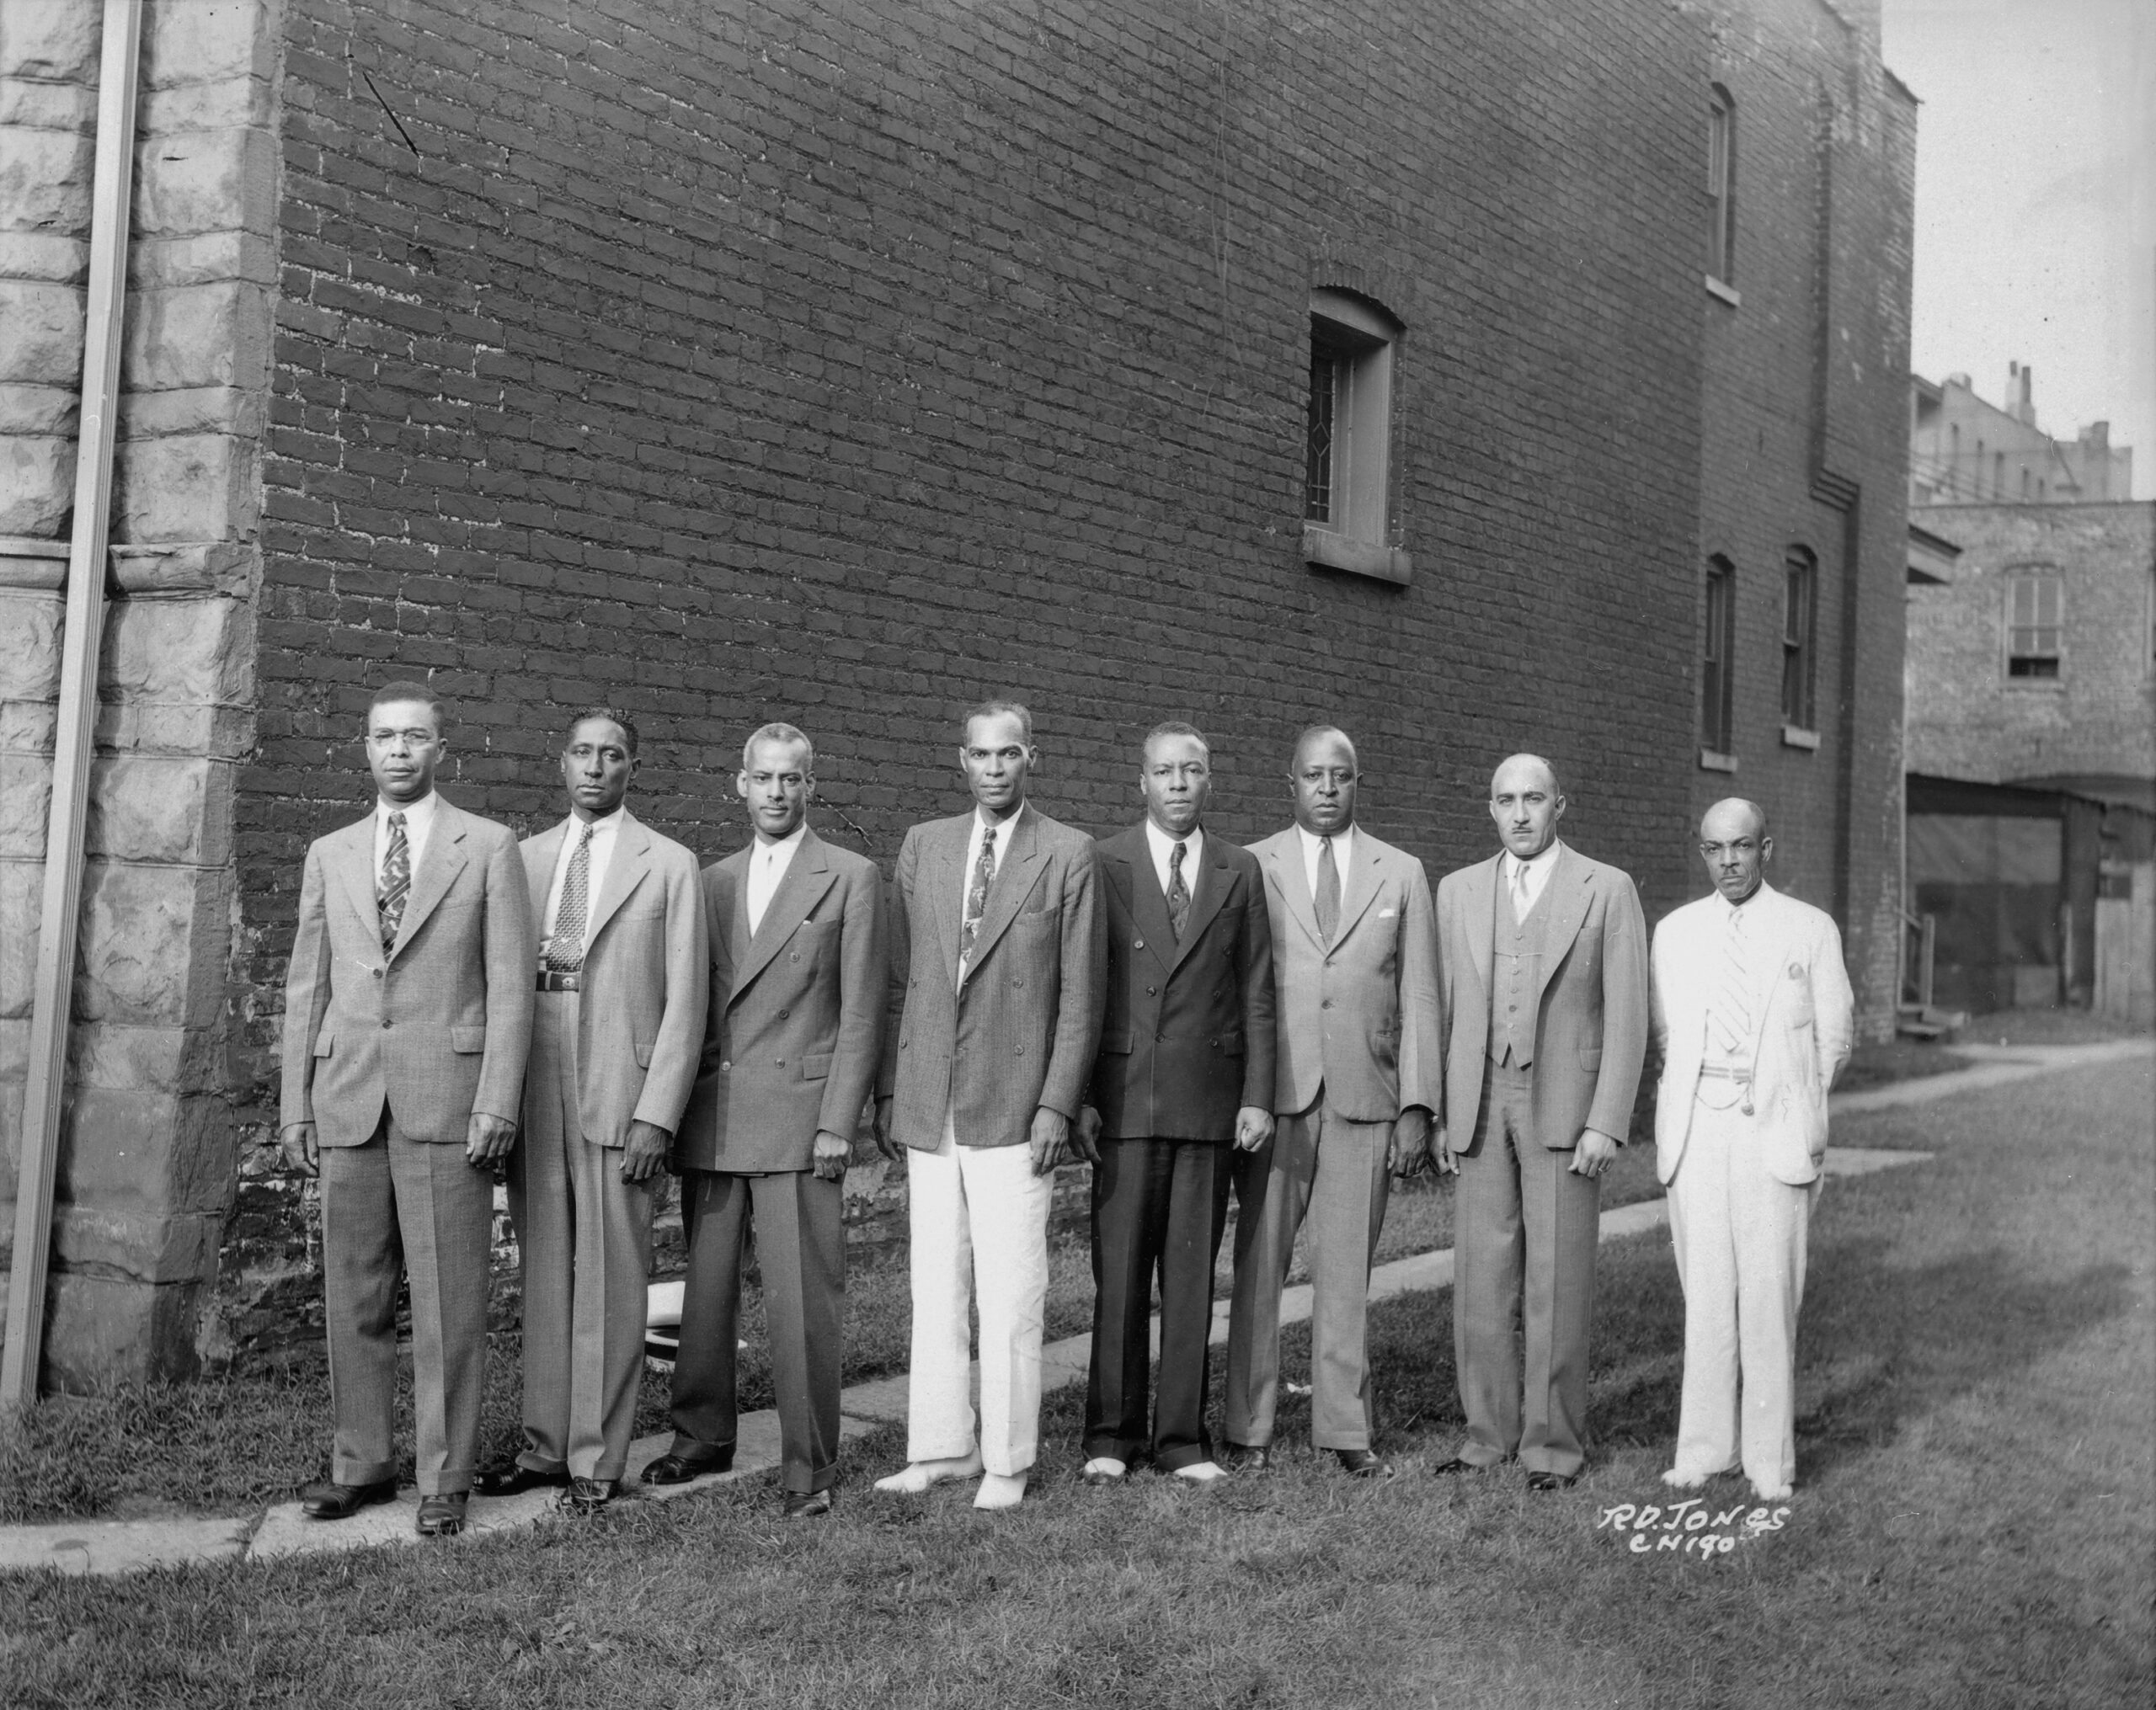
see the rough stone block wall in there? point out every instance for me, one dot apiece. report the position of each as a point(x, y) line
point(1804, 443)
point(843, 363)
point(147, 1165)
point(1967, 718)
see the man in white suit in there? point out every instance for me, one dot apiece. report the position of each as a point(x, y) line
point(1752, 1016)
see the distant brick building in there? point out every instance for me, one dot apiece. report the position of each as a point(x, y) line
point(846, 362)
point(1965, 451)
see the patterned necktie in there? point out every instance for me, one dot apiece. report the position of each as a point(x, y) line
point(1521, 901)
point(565, 949)
point(1729, 1018)
point(1178, 894)
point(396, 883)
point(977, 893)
point(1328, 890)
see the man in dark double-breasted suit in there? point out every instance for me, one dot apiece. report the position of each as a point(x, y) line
point(1184, 1075)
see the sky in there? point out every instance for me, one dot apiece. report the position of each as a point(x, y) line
point(2035, 216)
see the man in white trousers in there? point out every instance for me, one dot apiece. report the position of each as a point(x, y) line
point(1752, 1016)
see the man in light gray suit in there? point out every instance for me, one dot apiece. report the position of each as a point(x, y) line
point(1360, 1061)
point(798, 990)
point(620, 984)
point(997, 960)
point(408, 1015)
point(1543, 972)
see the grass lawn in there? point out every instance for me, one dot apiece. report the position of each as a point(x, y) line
point(1973, 1524)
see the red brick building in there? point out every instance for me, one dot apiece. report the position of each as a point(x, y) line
point(846, 362)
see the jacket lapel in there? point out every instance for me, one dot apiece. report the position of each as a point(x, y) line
point(1480, 901)
point(1015, 874)
point(1766, 956)
point(1206, 901)
point(438, 870)
point(351, 868)
point(1284, 871)
point(808, 876)
point(1566, 897)
point(1363, 881)
point(944, 863)
point(625, 870)
point(539, 864)
point(1129, 863)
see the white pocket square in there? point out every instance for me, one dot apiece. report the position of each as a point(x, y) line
point(1386, 913)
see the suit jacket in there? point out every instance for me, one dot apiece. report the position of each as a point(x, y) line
point(1592, 1009)
point(796, 1011)
point(1187, 1038)
point(437, 1029)
point(1024, 1033)
point(641, 1017)
point(1358, 1021)
point(1806, 1019)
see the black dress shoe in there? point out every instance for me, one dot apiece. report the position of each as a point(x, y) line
point(680, 1469)
point(1248, 1458)
point(442, 1516)
point(329, 1500)
point(588, 1496)
point(514, 1478)
point(807, 1504)
point(1446, 1468)
point(1551, 1481)
point(1364, 1463)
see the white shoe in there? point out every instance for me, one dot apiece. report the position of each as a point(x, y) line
point(1775, 1493)
point(1202, 1472)
point(1104, 1469)
point(915, 1478)
point(1677, 1479)
point(999, 1490)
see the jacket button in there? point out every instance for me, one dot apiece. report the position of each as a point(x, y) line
point(376, 972)
point(780, 1061)
point(1021, 1050)
point(1137, 944)
point(1017, 982)
point(726, 1068)
point(1152, 991)
point(1326, 1004)
point(385, 1021)
point(783, 1014)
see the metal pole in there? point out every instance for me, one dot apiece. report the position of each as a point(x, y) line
point(75, 730)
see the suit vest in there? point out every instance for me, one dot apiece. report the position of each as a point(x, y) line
point(1516, 953)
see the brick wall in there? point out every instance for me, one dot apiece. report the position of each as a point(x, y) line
point(843, 363)
point(1804, 444)
point(1967, 718)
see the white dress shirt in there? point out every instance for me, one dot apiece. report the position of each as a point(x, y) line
point(603, 834)
point(1343, 856)
point(418, 821)
point(767, 865)
point(1163, 846)
point(1537, 871)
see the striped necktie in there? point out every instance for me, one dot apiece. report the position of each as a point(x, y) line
point(1729, 1016)
point(565, 948)
point(396, 882)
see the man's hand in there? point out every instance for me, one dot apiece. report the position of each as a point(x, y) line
point(1051, 1138)
point(1086, 1141)
point(1253, 1128)
point(882, 1129)
point(1407, 1154)
point(302, 1148)
point(1442, 1155)
point(644, 1152)
point(833, 1154)
point(1596, 1152)
point(488, 1139)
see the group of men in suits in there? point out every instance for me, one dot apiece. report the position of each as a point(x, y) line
point(1289, 1027)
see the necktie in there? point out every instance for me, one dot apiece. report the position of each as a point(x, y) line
point(565, 949)
point(1178, 894)
point(977, 893)
point(396, 882)
point(1521, 901)
point(1729, 1018)
point(1328, 890)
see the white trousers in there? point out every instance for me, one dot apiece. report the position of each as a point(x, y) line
point(1740, 1237)
point(978, 1217)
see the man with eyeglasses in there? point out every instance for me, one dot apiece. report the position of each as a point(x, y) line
point(1360, 1058)
point(1753, 1015)
point(997, 951)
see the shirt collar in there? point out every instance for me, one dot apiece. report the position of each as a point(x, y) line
point(982, 826)
point(790, 841)
point(1541, 863)
point(1729, 908)
point(1160, 843)
point(606, 822)
point(416, 814)
point(1341, 839)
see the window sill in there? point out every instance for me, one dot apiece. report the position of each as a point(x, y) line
point(1796, 737)
point(1709, 761)
point(1335, 551)
point(2037, 686)
point(1725, 292)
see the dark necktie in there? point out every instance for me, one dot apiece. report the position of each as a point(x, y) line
point(396, 882)
point(1328, 890)
point(1178, 894)
point(565, 949)
point(977, 893)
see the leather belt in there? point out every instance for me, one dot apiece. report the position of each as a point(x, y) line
point(553, 979)
point(1727, 1070)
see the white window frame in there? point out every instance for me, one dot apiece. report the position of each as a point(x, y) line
point(1355, 533)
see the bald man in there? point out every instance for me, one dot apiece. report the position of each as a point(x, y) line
point(1543, 975)
point(1753, 1015)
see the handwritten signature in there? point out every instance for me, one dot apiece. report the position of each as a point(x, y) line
point(1690, 1527)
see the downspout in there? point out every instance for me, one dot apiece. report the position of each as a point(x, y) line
point(75, 729)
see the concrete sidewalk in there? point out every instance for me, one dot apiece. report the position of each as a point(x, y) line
point(120, 1547)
